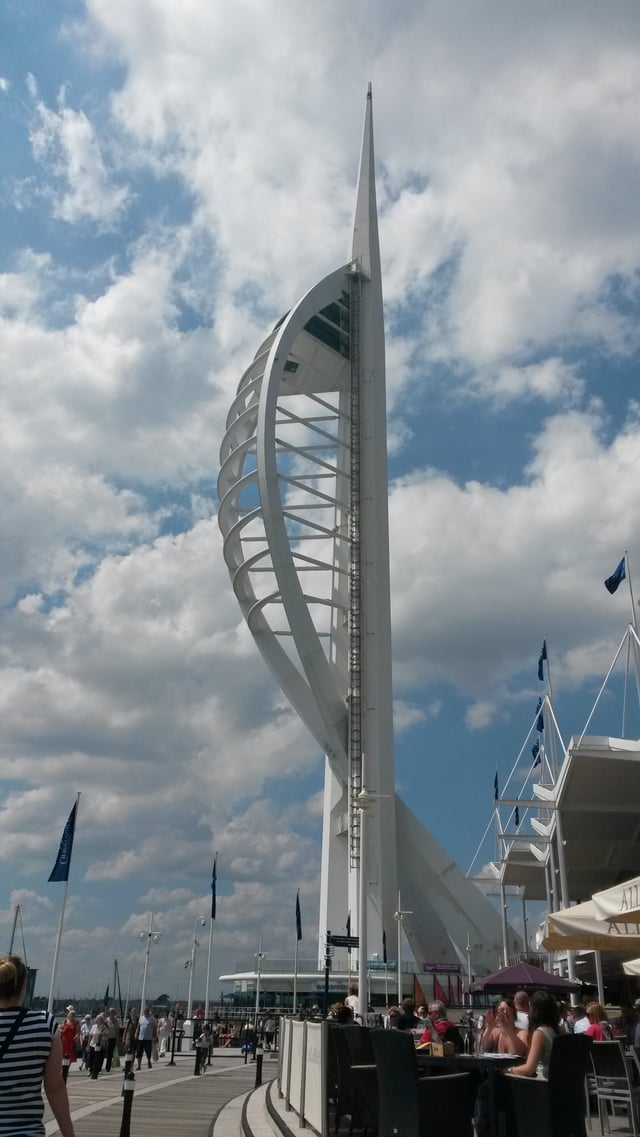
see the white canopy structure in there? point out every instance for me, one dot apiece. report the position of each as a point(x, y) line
point(622, 902)
point(580, 929)
point(631, 967)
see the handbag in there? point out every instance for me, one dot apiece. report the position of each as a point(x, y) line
point(22, 1013)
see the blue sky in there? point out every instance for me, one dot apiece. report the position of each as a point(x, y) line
point(174, 178)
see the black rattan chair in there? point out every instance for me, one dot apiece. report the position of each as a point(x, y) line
point(410, 1106)
point(557, 1107)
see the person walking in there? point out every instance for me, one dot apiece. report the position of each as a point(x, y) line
point(31, 1056)
point(111, 1032)
point(70, 1039)
point(146, 1036)
point(97, 1046)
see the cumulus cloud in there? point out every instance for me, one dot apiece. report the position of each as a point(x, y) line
point(65, 142)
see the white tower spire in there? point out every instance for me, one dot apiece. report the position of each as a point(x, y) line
point(304, 516)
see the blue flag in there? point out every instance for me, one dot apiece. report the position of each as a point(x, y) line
point(384, 946)
point(535, 753)
point(214, 881)
point(542, 657)
point(495, 787)
point(298, 918)
point(106, 997)
point(517, 817)
point(348, 929)
point(613, 582)
point(60, 870)
point(540, 718)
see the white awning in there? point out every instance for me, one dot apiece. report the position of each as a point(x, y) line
point(580, 929)
point(622, 902)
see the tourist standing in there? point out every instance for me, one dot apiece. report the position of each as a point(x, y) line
point(97, 1046)
point(31, 1055)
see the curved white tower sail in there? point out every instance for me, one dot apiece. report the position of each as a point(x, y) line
point(304, 515)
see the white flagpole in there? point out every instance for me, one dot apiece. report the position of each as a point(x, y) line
point(634, 616)
point(295, 975)
point(56, 952)
point(206, 994)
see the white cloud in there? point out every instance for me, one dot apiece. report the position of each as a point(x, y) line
point(65, 142)
point(480, 715)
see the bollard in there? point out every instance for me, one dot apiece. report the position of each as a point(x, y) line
point(127, 1092)
point(66, 1062)
point(172, 1062)
point(259, 1057)
point(196, 1068)
point(128, 1070)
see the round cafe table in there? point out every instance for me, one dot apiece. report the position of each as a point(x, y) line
point(478, 1064)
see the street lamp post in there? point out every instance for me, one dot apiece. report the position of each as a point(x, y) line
point(259, 958)
point(399, 916)
point(149, 936)
point(192, 962)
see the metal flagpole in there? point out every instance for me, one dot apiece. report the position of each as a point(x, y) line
point(399, 916)
point(126, 998)
point(634, 616)
point(206, 994)
point(295, 976)
point(56, 952)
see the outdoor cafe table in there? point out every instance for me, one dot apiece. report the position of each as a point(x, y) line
point(489, 1064)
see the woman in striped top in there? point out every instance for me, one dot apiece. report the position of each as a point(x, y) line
point(34, 1054)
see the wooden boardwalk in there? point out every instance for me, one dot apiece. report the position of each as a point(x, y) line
point(168, 1100)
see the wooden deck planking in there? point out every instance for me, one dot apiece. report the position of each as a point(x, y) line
point(168, 1101)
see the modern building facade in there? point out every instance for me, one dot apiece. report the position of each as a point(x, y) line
point(304, 515)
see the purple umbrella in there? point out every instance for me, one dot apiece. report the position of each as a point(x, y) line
point(524, 977)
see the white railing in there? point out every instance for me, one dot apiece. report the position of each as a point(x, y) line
point(302, 1071)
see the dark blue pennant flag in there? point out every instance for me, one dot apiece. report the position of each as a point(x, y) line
point(540, 718)
point(60, 870)
point(535, 753)
point(348, 929)
point(613, 582)
point(214, 882)
point(495, 787)
point(517, 817)
point(541, 659)
point(298, 918)
point(384, 946)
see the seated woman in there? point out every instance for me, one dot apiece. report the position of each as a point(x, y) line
point(544, 1025)
point(501, 1035)
point(599, 1028)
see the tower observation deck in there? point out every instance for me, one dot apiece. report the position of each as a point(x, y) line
point(304, 515)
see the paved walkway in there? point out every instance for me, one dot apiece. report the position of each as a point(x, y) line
point(168, 1100)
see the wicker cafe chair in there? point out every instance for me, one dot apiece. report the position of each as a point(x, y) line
point(410, 1106)
point(614, 1083)
point(553, 1108)
point(356, 1090)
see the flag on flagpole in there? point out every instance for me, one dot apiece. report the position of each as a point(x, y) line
point(517, 817)
point(60, 870)
point(541, 659)
point(535, 753)
point(384, 946)
point(106, 997)
point(298, 918)
point(348, 929)
point(495, 787)
point(214, 880)
point(540, 718)
point(613, 582)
